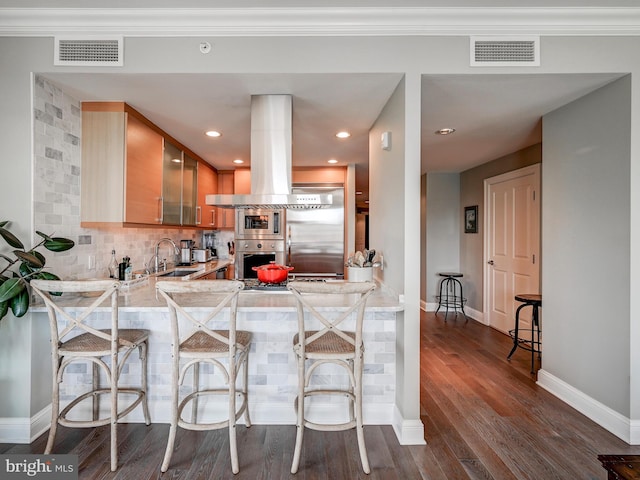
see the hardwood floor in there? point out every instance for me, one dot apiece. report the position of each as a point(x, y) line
point(484, 418)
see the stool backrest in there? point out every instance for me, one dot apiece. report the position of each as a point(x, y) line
point(214, 295)
point(313, 298)
point(67, 324)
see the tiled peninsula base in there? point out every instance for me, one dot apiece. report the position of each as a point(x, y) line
point(272, 369)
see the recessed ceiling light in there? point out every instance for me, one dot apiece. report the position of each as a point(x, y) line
point(343, 134)
point(176, 160)
point(238, 160)
point(213, 133)
point(445, 131)
point(333, 160)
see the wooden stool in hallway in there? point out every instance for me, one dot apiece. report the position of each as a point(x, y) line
point(452, 297)
point(532, 343)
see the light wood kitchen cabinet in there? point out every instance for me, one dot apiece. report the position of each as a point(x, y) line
point(121, 166)
point(207, 184)
point(179, 186)
point(242, 181)
point(133, 173)
point(189, 190)
point(226, 216)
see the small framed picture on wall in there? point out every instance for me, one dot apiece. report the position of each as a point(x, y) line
point(471, 219)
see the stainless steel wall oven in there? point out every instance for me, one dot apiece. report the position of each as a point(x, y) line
point(260, 223)
point(255, 252)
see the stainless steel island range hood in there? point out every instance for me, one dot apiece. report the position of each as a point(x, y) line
point(271, 127)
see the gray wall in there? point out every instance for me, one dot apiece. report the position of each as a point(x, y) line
point(411, 56)
point(586, 242)
point(386, 174)
point(395, 230)
point(442, 228)
point(472, 193)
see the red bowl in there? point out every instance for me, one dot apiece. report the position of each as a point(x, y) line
point(272, 272)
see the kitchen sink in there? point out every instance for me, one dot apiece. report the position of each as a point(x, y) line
point(176, 273)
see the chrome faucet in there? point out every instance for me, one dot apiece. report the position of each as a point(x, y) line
point(176, 252)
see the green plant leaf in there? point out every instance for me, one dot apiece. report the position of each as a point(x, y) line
point(11, 239)
point(25, 269)
point(48, 276)
point(39, 256)
point(11, 288)
point(44, 236)
point(4, 308)
point(30, 258)
point(58, 244)
point(20, 303)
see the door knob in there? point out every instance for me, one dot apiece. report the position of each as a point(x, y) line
point(490, 262)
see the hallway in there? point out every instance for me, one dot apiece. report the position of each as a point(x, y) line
point(486, 418)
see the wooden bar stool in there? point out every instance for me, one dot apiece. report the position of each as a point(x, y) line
point(73, 340)
point(533, 343)
point(195, 341)
point(452, 297)
point(330, 344)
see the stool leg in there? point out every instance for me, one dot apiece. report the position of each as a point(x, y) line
point(299, 405)
point(440, 296)
point(515, 336)
point(446, 301)
point(458, 283)
point(535, 322)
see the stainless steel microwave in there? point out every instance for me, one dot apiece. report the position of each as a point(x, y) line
point(260, 223)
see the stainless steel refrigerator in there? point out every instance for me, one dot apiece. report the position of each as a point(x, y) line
point(315, 238)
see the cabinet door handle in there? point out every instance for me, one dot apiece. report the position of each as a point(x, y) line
point(161, 208)
point(198, 211)
point(213, 216)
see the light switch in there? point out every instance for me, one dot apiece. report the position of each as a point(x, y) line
point(385, 140)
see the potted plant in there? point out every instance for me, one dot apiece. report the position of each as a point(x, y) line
point(26, 264)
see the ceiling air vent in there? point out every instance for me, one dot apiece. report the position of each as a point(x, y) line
point(505, 51)
point(89, 51)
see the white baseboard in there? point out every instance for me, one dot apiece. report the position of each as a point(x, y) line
point(621, 426)
point(409, 432)
point(25, 430)
point(470, 312)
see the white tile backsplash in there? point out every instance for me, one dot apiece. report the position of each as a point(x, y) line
point(56, 182)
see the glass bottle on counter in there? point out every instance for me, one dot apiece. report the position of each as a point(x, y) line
point(113, 265)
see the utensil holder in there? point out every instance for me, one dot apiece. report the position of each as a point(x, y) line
point(359, 274)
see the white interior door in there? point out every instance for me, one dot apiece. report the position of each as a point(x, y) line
point(512, 245)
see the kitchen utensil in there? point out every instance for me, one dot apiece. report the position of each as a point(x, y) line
point(201, 255)
point(186, 247)
point(272, 272)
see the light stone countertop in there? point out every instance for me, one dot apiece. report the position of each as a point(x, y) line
point(141, 296)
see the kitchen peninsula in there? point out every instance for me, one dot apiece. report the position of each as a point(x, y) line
point(272, 319)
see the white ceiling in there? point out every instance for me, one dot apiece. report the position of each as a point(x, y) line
point(493, 115)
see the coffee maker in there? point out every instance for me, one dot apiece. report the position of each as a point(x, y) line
point(209, 242)
point(185, 252)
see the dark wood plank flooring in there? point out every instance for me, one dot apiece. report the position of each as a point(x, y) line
point(484, 418)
